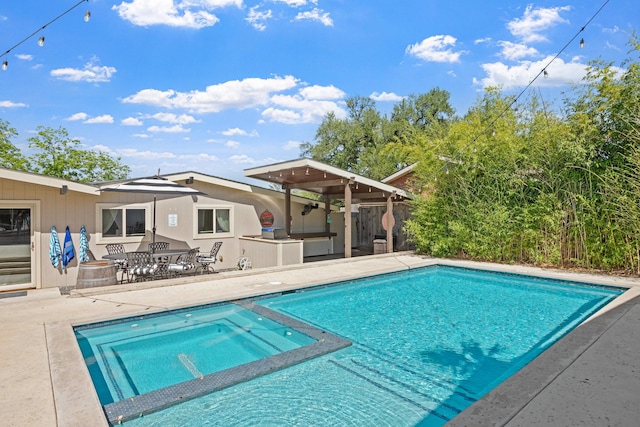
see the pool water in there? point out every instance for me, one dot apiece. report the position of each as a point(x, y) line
point(427, 344)
point(137, 356)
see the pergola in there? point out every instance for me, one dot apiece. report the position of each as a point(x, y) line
point(331, 183)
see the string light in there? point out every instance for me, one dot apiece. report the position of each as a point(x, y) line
point(546, 74)
point(581, 43)
point(87, 16)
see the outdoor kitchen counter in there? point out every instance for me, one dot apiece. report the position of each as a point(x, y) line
point(271, 252)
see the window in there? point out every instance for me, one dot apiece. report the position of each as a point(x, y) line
point(213, 221)
point(123, 222)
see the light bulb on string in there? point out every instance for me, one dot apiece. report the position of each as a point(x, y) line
point(87, 16)
point(581, 43)
point(5, 65)
point(41, 41)
point(545, 74)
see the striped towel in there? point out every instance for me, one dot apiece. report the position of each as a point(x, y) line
point(84, 245)
point(68, 253)
point(55, 253)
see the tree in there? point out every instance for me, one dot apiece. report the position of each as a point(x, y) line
point(352, 143)
point(10, 156)
point(60, 156)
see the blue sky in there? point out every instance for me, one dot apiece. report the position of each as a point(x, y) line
point(218, 86)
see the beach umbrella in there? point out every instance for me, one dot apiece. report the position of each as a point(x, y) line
point(153, 185)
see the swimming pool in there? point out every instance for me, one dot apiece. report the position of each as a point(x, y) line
point(427, 343)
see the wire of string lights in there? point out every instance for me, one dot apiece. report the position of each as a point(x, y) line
point(542, 72)
point(87, 16)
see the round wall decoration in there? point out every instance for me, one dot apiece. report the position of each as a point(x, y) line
point(266, 219)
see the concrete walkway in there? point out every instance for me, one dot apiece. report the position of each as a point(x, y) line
point(591, 377)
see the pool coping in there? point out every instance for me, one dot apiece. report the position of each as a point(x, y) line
point(157, 400)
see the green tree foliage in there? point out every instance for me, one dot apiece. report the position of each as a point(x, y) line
point(522, 184)
point(349, 143)
point(371, 145)
point(10, 155)
point(56, 154)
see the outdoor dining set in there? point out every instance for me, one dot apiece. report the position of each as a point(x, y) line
point(160, 261)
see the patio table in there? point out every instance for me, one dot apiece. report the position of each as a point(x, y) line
point(163, 257)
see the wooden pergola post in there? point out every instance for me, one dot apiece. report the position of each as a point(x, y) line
point(390, 221)
point(287, 209)
point(327, 212)
point(347, 221)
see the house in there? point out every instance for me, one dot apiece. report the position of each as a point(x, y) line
point(31, 204)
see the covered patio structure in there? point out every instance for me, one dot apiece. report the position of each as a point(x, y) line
point(331, 183)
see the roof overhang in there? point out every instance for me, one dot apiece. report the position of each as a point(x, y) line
point(330, 181)
point(48, 181)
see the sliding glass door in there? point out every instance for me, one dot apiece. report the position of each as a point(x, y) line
point(15, 246)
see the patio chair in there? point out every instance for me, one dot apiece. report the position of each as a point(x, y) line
point(121, 264)
point(185, 264)
point(206, 260)
point(141, 266)
point(158, 246)
point(162, 262)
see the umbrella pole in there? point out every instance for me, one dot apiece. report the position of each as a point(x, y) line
point(153, 238)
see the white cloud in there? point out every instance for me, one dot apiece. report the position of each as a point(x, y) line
point(321, 92)
point(536, 21)
point(185, 13)
point(258, 19)
point(291, 145)
point(242, 158)
point(145, 155)
point(295, 3)
point(316, 14)
point(386, 96)
point(77, 116)
point(10, 104)
point(131, 121)
point(232, 144)
point(560, 73)
point(235, 94)
point(24, 57)
point(92, 73)
point(141, 135)
point(484, 40)
point(198, 157)
point(239, 132)
point(168, 129)
point(435, 49)
point(515, 51)
point(105, 118)
point(296, 109)
point(182, 119)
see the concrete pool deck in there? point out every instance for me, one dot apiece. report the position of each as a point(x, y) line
point(591, 377)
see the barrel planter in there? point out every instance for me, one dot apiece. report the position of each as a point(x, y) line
point(93, 274)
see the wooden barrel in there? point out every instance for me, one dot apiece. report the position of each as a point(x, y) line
point(93, 274)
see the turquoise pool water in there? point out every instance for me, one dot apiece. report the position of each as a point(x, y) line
point(427, 343)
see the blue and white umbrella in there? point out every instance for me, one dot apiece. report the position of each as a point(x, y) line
point(55, 253)
point(153, 185)
point(84, 245)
